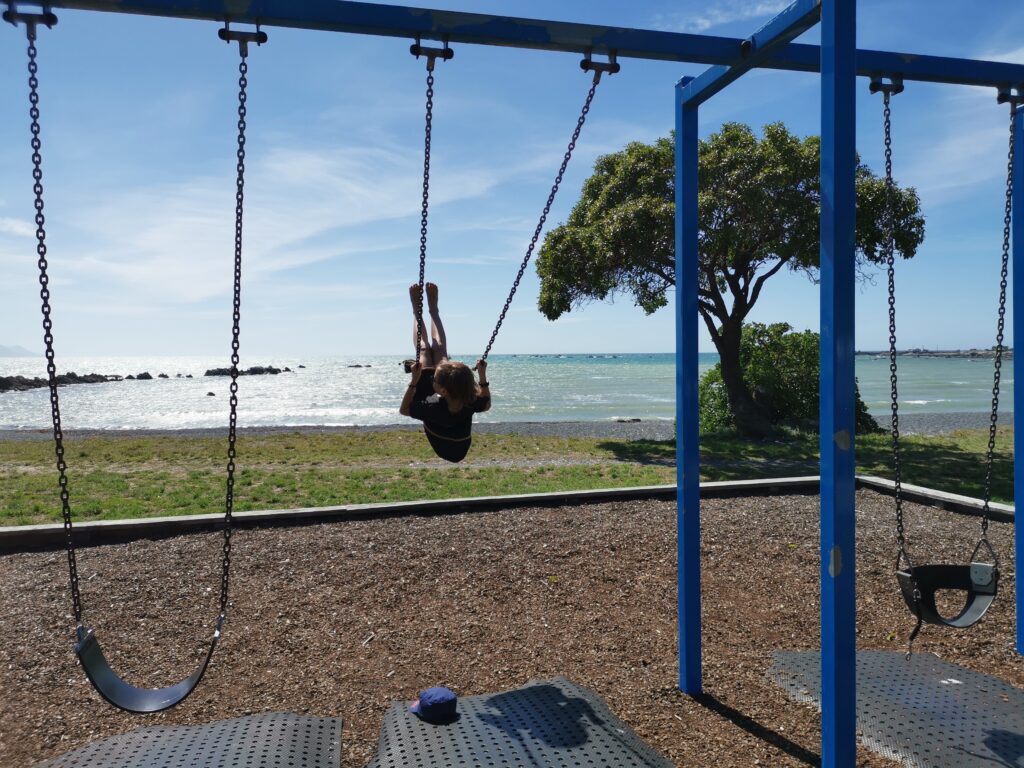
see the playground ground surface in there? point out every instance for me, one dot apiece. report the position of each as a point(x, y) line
point(341, 619)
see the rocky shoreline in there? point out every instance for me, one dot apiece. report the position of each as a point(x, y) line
point(23, 383)
point(945, 354)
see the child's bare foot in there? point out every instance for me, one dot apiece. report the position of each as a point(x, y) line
point(416, 296)
point(432, 297)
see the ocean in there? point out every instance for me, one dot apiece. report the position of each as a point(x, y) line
point(366, 390)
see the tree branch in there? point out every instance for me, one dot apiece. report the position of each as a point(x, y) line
point(761, 280)
point(713, 293)
point(706, 314)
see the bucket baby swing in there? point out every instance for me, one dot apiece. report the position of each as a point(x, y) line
point(978, 579)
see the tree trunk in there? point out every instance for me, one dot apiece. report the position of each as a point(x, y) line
point(751, 420)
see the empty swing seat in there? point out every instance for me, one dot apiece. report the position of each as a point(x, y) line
point(126, 696)
point(549, 724)
point(978, 581)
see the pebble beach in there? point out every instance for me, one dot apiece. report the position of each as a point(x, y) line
point(916, 424)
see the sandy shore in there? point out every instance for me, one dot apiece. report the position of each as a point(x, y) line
point(911, 424)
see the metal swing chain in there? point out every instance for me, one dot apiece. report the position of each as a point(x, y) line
point(547, 209)
point(889, 252)
point(44, 294)
point(428, 127)
point(890, 261)
point(1000, 325)
point(243, 82)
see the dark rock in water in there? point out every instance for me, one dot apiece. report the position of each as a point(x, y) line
point(23, 384)
point(163, 376)
point(288, 370)
point(189, 376)
point(211, 394)
point(355, 366)
point(256, 370)
point(144, 376)
point(302, 366)
point(129, 377)
point(628, 421)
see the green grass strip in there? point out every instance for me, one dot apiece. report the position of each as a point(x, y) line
point(113, 477)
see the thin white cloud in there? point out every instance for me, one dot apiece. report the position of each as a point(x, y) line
point(16, 227)
point(959, 143)
point(175, 241)
point(479, 261)
point(1015, 56)
point(701, 19)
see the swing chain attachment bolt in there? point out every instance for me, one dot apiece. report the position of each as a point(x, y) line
point(1007, 95)
point(241, 37)
point(13, 16)
point(432, 54)
point(893, 86)
point(600, 67)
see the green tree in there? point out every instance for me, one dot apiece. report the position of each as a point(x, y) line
point(780, 369)
point(759, 205)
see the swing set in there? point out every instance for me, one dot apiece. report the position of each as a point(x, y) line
point(839, 63)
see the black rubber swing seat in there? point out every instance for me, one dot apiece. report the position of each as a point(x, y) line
point(125, 696)
point(979, 582)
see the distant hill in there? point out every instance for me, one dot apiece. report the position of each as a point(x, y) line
point(15, 351)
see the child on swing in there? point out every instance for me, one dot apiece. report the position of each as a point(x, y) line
point(441, 393)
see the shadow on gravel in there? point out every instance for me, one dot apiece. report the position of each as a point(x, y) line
point(758, 731)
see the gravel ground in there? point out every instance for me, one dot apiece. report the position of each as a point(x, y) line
point(341, 619)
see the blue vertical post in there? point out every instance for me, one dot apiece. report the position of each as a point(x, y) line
point(838, 218)
point(687, 436)
point(1018, 360)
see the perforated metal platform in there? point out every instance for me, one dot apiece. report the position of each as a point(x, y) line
point(922, 712)
point(275, 740)
point(551, 723)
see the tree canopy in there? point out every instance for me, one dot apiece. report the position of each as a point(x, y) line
point(758, 212)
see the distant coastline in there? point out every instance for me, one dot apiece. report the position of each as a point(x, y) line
point(939, 353)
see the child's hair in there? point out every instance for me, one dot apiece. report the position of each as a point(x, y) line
point(457, 379)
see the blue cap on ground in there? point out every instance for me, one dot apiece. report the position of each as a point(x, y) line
point(435, 705)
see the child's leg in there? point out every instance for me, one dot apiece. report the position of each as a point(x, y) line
point(439, 342)
point(419, 331)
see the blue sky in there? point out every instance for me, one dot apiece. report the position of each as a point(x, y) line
point(139, 173)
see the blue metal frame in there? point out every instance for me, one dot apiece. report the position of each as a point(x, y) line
point(837, 415)
point(687, 436)
point(1018, 360)
point(457, 27)
point(788, 25)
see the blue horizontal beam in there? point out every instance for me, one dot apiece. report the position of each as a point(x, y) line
point(787, 26)
point(406, 22)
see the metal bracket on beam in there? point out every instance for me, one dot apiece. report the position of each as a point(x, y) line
point(600, 67)
point(432, 54)
point(242, 38)
point(893, 86)
point(13, 16)
point(1011, 94)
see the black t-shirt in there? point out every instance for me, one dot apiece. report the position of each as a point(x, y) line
point(449, 434)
